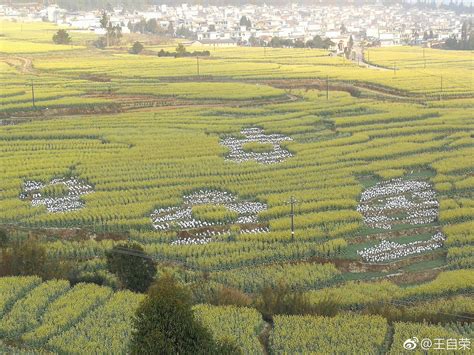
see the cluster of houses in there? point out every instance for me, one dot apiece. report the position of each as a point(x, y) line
point(257, 25)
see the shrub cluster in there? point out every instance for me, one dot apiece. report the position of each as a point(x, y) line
point(163, 53)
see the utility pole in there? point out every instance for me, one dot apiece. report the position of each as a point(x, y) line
point(327, 87)
point(292, 216)
point(33, 93)
point(197, 64)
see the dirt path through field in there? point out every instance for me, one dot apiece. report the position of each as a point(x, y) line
point(264, 337)
point(360, 60)
point(22, 64)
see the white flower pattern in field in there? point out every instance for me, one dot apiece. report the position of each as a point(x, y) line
point(398, 201)
point(387, 250)
point(181, 217)
point(191, 241)
point(394, 202)
point(256, 135)
point(70, 201)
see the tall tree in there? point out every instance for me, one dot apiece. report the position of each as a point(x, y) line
point(165, 323)
point(104, 20)
point(170, 30)
point(244, 21)
point(464, 31)
point(466, 42)
point(180, 49)
point(350, 45)
point(152, 26)
point(104, 23)
point(112, 34)
point(343, 29)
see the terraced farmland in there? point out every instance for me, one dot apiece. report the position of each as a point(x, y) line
point(205, 171)
point(101, 322)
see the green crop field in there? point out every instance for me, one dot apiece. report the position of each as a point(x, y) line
point(200, 169)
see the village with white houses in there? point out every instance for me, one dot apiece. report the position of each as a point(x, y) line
point(371, 25)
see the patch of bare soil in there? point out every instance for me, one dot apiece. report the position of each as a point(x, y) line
point(346, 265)
point(22, 64)
point(415, 277)
point(71, 234)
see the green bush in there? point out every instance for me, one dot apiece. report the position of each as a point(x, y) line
point(165, 324)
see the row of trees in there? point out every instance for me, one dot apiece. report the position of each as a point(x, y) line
point(151, 27)
point(316, 42)
point(113, 33)
point(466, 41)
point(181, 51)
